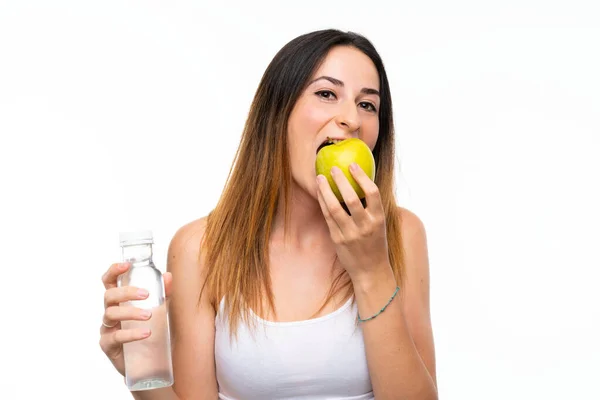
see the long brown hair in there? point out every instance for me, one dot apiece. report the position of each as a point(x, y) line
point(235, 243)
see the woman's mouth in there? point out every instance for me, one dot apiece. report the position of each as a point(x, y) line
point(328, 142)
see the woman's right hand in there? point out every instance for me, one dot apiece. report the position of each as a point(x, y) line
point(112, 336)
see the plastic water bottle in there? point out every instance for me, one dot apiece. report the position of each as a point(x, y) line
point(148, 363)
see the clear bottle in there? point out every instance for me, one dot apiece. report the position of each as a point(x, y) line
point(148, 363)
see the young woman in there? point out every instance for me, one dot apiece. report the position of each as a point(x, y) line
point(278, 292)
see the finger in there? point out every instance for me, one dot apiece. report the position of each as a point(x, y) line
point(111, 342)
point(334, 228)
point(118, 295)
point(351, 199)
point(111, 275)
point(343, 220)
point(108, 325)
point(115, 314)
point(168, 281)
point(129, 335)
point(371, 190)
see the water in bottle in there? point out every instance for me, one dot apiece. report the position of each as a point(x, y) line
point(148, 362)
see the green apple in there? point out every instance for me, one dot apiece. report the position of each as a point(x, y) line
point(341, 154)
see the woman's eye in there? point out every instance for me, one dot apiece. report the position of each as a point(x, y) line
point(368, 106)
point(326, 94)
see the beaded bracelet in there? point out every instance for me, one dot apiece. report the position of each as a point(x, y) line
point(384, 307)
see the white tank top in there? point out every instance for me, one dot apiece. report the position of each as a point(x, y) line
point(321, 358)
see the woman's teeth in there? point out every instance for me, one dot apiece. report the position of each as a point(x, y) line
point(329, 142)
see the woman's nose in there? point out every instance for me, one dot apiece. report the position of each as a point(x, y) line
point(348, 119)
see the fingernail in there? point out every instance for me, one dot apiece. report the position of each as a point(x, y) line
point(320, 179)
point(146, 332)
point(353, 166)
point(334, 170)
point(142, 292)
point(146, 314)
point(123, 266)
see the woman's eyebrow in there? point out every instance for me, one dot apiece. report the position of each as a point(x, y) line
point(337, 82)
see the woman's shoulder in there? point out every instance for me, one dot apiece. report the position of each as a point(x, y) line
point(410, 221)
point(184, 248)
point(191, 229)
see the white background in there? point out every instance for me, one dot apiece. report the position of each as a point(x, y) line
point(126, 114)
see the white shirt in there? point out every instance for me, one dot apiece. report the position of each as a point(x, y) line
point(316, 359)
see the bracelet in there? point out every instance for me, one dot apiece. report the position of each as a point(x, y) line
point(383, 309)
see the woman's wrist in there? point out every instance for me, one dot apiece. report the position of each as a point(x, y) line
point(376, 279)
point(374, 291)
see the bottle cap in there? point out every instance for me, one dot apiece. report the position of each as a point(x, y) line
point(135, 237)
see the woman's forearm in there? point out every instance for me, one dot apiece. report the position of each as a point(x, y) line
point(397, 371)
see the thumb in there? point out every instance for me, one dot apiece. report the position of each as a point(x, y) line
point(168, 280)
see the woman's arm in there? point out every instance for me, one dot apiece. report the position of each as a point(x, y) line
point(399, 341)
point(192, 327)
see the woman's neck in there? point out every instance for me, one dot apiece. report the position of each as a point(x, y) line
point(306, 229)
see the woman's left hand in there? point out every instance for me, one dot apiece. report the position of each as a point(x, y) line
point(360, 238)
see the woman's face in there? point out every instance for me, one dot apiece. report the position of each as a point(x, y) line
point(340, 102)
